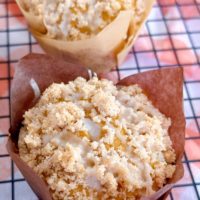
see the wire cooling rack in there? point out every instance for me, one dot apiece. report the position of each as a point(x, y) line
point(171, 37)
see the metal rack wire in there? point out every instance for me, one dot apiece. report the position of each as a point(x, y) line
point(13, 185)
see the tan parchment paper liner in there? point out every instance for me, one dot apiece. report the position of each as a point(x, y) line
point(163, 87)
point(100, 53)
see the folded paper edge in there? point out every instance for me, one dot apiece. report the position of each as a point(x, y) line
point(142, 80)
point(131, 39)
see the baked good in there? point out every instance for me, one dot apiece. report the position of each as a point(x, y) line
point(80, 19)
point(96, 34)
point(94, 140)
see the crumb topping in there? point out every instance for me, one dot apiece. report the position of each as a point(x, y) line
point(93, 140)
point(81, 19)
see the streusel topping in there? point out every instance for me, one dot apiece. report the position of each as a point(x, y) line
point(81, 19)
point(93, 140)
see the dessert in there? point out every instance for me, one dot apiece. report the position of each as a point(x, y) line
point(97, 34)
point(81, 19)
point(94, 140)
point(163, 88)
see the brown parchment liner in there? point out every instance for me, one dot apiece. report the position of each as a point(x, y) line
point(100, 53)
point(163, 87)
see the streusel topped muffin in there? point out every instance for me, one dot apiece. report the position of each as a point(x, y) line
point(81, 19)
point(94, 140)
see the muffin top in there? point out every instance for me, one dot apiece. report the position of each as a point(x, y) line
point(80, 19)
point(94, 140)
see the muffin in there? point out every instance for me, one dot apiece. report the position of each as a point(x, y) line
point(80, 19)
point(94, 140)
point(82, 30)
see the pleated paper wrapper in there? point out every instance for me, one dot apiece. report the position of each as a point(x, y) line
point(100, 53)
point(164, 87)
